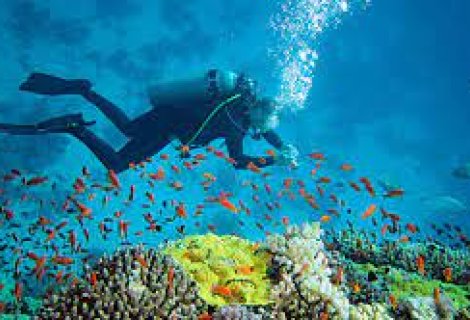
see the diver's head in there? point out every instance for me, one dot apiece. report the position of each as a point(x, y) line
point(248, 88)
point(264, 115)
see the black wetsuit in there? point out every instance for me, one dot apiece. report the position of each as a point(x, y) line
point(152, 131)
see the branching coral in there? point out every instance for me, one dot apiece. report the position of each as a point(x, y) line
point(132, 283)
point(304, 289)
point(375, 311)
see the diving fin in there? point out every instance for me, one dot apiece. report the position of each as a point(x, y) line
point(42, 83)
point(18, 129)
point(63, 124)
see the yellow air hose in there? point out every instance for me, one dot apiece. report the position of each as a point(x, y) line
point(211, 115)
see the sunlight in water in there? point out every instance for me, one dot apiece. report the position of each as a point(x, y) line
point(297, 24)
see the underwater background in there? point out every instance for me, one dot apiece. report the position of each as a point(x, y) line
point(389, 94)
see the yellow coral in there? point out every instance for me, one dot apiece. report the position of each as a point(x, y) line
point(227, 262)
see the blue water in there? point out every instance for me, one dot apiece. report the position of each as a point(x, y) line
point(390, 94)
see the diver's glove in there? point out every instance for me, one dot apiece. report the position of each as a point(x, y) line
point(288, 156)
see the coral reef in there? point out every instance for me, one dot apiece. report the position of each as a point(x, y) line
point(374, 285)
point(238, 312)
point(24, 308)
point(224, 262)
point(425, 308)
point(300, 266)
point(131, 283)
point(404, 285)
point(289, 276)
point(360, 246)
point(375, 311)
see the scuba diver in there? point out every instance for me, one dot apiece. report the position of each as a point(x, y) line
point(218, 104)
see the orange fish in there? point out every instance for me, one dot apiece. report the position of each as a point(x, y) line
point(339, 276)
point(50, 235)
point(411, 227)
point(181, 210)
point(178, 186)
point(141, 260)
point(346, 167)
point(204, 316)
point(437, 296)
point(447, 273)
point(184, 149)
point(324, 180)
point(113, 178)
point(370, 211)
point(356, 287)
point(175, 168)
point(384, 229)
point(200, 156)
point(287, 183)
point(72, 239)
point(355, 186)
point(61, 225)
point(404, 239)
point(18, 291)
point(35, 181)
point(271, 153)
point(38, 269)
point(171, 277)
point(393, 301)
point(333, 211)
point(93, 279)
point(244, 270)
point(317, 156)
point(320, 190)
point(123, 227)
point(324, 315)
point(150, 196)
point(62, 260)
point(253, 167)
point(334, 198)
point(224, 291)
point(394, 193)
point(43, 221)
point(227, 204)
point(368, 186)
point(159, 175)
point(84, 210)
point(285, 221)
point(325, 218)
point(420, 265)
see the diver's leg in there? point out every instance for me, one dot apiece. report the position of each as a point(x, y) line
point(102, 150)
point(139, 149)
point(110, 110)
point(42, 83)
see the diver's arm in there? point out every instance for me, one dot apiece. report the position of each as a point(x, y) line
point(288, 154)
point(235, 151)
point(273, 139)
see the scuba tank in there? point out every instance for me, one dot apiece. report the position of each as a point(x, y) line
point(200, 90)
